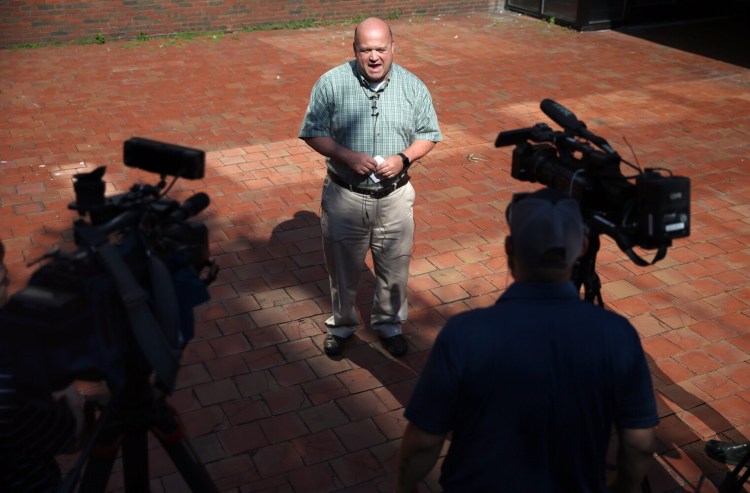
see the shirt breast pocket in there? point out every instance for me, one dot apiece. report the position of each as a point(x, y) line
point(397, 125)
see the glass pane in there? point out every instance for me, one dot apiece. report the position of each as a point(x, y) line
point(530, 5)
point(598, 10)
point(561, 9)
point(606, 10)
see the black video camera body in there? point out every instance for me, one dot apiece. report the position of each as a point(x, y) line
point(126, 295)
point(648, 210)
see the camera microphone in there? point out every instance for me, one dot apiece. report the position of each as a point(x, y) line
point(568, 120)
point(561, 115)
point(190, 207)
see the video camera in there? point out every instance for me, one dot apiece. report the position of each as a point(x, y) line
point(648, 213)
point(124, 298)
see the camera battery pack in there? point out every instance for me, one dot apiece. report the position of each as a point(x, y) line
point(663, 205)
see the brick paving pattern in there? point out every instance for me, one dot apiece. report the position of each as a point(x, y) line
point(265, 409)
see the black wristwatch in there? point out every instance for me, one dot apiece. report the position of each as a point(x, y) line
point(404, 159)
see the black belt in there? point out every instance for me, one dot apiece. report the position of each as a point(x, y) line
point(375, 194)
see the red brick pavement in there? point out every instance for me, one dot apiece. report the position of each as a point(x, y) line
point(264, 407)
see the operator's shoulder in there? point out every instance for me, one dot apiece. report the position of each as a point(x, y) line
point(602, 317)
point(475, 316)
point(601, 311)
point(597, 311)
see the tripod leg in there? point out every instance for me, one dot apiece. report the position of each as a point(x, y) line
point(118, 429)
point(135, 462)
point(584, 273)
point(737, 477)
point(100, 463)
point(125, 425)
point(645, 486)
point(170, 433)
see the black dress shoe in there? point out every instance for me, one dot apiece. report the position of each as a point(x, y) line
point(396, 345)
point(727, 452)
point(333, 345)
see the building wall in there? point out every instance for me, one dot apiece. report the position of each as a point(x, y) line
point(65, 21)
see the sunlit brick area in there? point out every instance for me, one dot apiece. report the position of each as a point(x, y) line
point(264, 407)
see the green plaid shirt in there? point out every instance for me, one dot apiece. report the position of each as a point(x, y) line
point(341, 107)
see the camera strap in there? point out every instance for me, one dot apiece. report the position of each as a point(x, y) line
point(165, 302)
point(146, 330)
point(660, 254)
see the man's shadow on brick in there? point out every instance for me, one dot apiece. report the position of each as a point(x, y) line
point(359, 393)
point(299, 239)
point(369, 386)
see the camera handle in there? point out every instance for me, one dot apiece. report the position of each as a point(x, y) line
point(602, 225)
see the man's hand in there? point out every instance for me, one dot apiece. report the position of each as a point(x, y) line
point(362, 164)
point(76, 402)
point(390, 167)
point(634, 457)
point(77, 396)
point(418, 455)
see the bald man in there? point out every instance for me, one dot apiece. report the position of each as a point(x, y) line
point(371, 119)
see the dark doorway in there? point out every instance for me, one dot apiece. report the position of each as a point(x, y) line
point(725, 38)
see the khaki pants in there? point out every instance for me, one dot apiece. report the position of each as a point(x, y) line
point(352, 224)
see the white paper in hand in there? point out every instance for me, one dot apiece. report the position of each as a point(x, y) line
point(375, 177)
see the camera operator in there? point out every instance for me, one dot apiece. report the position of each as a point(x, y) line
point(531, 387)
point(31, 432)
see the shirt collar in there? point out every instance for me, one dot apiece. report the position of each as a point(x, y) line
point(366, 83)
point(537, 290)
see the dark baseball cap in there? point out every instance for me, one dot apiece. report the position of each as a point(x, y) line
point(546, 228)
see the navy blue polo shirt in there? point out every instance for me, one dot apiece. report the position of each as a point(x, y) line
point(530, 389)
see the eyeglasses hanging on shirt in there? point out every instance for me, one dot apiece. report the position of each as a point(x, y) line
point(374, 99)
point(375, 90)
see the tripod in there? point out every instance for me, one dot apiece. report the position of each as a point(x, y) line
point(124, 424)
point(584, 275)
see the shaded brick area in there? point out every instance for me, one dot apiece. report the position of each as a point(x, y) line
point(265, 409)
